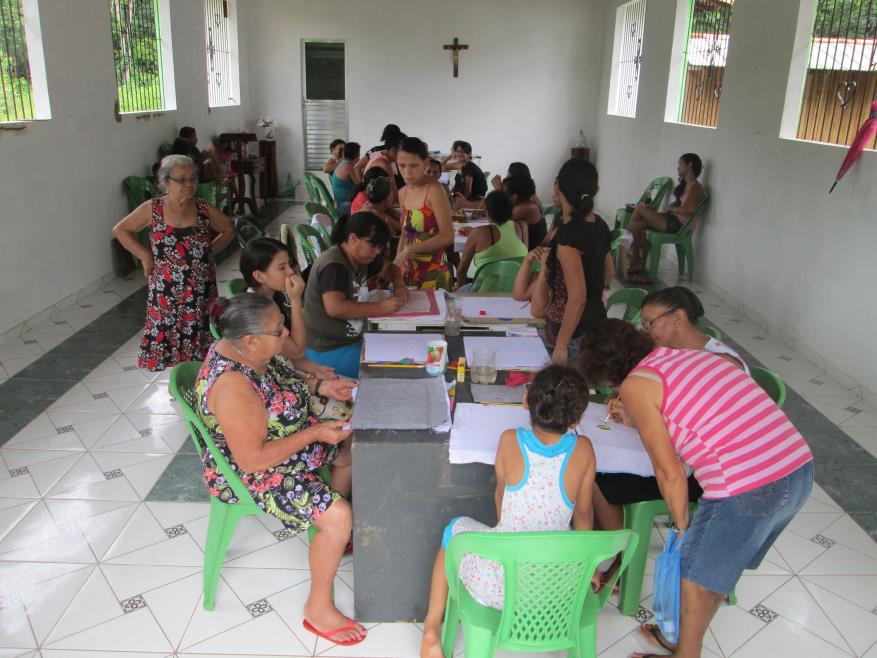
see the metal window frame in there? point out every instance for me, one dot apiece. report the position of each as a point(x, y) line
point(621, 46)
point(312, 160)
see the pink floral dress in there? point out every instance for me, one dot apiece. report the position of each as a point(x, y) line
point(292, 491)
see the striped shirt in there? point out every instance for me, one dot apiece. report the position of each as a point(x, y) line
point(723, 424)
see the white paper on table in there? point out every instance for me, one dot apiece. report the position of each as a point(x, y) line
point(418, 300)
point(477, 428)
point(393, 348)
point(494, 307)
point(512, 352)
point(436, 318)
point(618, 449)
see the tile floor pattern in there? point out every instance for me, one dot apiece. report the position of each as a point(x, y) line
point(89, 569)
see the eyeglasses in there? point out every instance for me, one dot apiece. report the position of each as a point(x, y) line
point(276, 334)
point(376, 245)
point(182, 180)
point(647, 324)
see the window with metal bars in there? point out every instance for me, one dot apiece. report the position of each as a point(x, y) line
point(223, 77)
point(139, 55)
point(627, 58)
point(703, 67)
point(22, 68)
point(840, 81)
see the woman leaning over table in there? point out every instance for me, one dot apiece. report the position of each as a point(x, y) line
point(568, 291)
point(754, 466)
point(178, 265)
point(426, 221)
point(256, 409)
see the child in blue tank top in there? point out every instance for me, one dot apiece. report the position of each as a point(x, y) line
point(544, 481)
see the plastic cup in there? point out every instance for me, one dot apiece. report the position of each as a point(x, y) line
point(484, 366)
point(436, 357)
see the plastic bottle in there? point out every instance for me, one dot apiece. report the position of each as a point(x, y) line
point(581, 142)
point(290, 186)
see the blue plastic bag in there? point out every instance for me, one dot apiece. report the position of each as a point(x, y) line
point(666, 595)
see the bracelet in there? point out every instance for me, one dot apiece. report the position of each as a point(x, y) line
point(317, 388)
point(677, 529)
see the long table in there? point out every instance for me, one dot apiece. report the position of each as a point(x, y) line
point(405, 491)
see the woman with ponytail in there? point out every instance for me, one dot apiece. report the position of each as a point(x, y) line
point(568, 292)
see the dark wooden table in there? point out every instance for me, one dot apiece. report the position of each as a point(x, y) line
point(405, 491)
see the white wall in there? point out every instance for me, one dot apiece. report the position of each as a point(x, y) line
point(61, 179)
point(773, 238)
point(527, 84)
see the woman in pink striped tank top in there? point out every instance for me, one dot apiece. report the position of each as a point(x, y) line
point(698, 409)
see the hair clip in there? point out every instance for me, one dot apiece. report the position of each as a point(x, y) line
point(585, 196)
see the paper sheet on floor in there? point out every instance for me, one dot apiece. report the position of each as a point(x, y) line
point(512, 352)
point(393, 348)
point(477, 428)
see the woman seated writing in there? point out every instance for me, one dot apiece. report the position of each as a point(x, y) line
point(500, 240)
point(689, 193)
point(544, 479)
point(347, 175)
point(526, 211)
point(376, 198)
point(256, 409)
point(266, 268)
point(336, 297)
point(426, 225)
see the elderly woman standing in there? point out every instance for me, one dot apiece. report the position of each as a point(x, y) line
point(178, 266)
point(257, 410)
point(699, 409)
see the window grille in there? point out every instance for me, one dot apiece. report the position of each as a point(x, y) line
point(138, 56)
point(222, 53)
point(629, 27)
point(324, 104)
point(15, 74)
point(706, 52)
point(841, 78)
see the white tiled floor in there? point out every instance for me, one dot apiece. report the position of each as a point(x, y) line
point(88, 569)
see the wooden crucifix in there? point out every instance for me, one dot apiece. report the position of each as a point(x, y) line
point(456, 47)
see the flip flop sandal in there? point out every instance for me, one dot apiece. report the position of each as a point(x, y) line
point(638, 279)
point(330, 635)
point(655, 632)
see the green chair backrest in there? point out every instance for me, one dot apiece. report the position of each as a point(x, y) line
point(138, 189)
point(165, 150)
point(236, 287)
point(712, 332)
point(182, 385)
point(497, 276)
point(632, 298)
point(322, 192)
point(313, 192)
point(551, 213)
point(310, 242)
point(770, 382)
point(656, 191)
point(312, 208)
point(285, 234)
point(691, 224)
point(547, 581)
point(208, 192)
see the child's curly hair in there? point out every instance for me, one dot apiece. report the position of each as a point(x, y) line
point(557, 398)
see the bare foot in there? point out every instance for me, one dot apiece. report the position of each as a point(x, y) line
point(329, 618)
point(431, 645)
point(652, 634)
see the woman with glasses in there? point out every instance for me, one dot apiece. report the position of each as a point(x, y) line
point(258, 412)
point(178, 264)
point(336, 304)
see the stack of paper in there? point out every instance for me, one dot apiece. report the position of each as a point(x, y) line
point(392, 348)
point(402, 404)
point(512, 353)
point(424, 306)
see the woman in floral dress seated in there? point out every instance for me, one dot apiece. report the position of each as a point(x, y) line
point(257, 411)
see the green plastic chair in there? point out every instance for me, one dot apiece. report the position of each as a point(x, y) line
point(497, 276)
point(639, 517)
point(653, 195)
point(310, 241)
point(632, 298)
point(321, 190)
point(551, 213)
point(770, 382)
point(214, 330)
point(208, 192)
point(314, 209)
point(313, 192)
point(682, 240)
point(549, 604)
point(137, 190)
point(224, 517)
point(236, 287)
point(712, 332)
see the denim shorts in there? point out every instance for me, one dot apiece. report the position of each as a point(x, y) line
point(728, 535)
point(673, 223)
